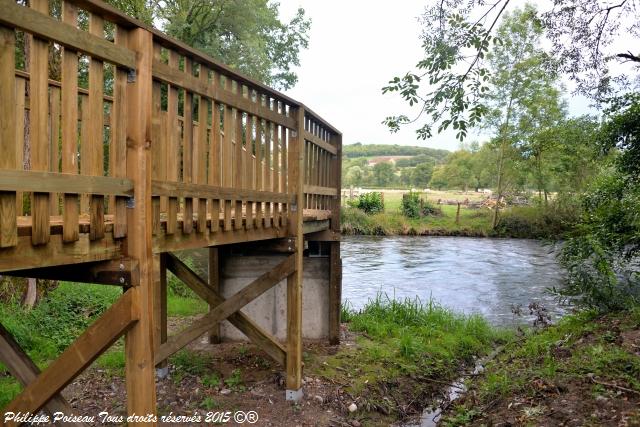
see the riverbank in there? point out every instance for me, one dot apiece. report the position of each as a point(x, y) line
point(583, 371)
point(395, 359)
point(552, 222)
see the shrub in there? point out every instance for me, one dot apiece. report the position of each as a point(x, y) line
point(413, 206)
point(369, 203)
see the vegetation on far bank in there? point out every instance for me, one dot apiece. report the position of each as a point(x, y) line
point(552, 221)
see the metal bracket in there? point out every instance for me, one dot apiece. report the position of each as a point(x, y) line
point(131, 203)
point(131, 76)
point(294, 134)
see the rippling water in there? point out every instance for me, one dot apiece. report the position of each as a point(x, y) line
point(470, 275)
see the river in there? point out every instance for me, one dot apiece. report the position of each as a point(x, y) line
point(468, 275)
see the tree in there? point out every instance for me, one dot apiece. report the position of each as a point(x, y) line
point(449, 83)
point(543, 111)
point(244, 34)
point(383, 174)
point(601, 256)
point(421, 174)
point(439, 178)
point(518, 77)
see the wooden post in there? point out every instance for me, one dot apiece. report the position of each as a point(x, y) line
point(214, 284)
point(139, 349)
point(160, 309)
point(294, 281)
point(335, 272)
point(458, 215)
point(8, 149)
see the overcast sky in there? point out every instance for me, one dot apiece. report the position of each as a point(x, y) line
point(356, 47)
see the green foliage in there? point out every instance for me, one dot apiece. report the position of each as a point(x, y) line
point(211, 380)
point(247, 35)
point(175, 286)
point(383, 174)
point(601, 255)
point(550, 221)
point(371, 150)
point(369, 203)
point(414, 206)
point(55, 323)
point(234, 382)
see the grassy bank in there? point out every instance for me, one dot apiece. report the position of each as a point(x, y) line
point(403, 354)
point(539, 222)
point(46, 330)
point(583, 371)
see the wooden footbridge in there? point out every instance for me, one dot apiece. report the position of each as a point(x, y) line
point(119, 146)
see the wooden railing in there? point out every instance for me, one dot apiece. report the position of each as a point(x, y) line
point(226, 153)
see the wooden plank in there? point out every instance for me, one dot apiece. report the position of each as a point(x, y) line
point(276, 172)
point(213, 272)
point(284, 173)
point(324, 191)
point(69, 86)
point(118, 158)
point(249, 169)
point(77, 357)
point(215, 157)
point(238, 319)
point(25, 255)
point(139, 368)
point(320, 143)
point(8, 149)
point(38, 23)
point(12, 180)
point(222, 95)
point(85, 165)
point(226, 308)
point(164, 188)
point(200, 152)
point(173, 146)
point(160, 304)
point(259, 170)
point(227, 157)
point(24, 370)
point(19, 136)
point(120, 272)
point(187, 150)
point(156, 146)
point(239, 162)
point(294, 281)
point(39, 122)
point(267, 171)
point(336, 180)
point(335, 293)
point(54, 144)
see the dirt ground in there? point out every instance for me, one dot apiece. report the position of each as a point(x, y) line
point(596, 367)
point(262, 389)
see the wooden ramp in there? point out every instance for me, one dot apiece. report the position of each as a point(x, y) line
point(158, 148)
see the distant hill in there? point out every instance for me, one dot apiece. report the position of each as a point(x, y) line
point(374, 150)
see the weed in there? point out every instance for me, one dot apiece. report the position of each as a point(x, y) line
point(211, 380)
point(234, 382)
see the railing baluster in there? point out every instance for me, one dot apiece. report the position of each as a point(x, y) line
point(39, 117)
point(8, 225)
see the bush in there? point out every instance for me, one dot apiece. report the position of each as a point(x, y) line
point(413, 206)
point(369, 203)
point(552, 221)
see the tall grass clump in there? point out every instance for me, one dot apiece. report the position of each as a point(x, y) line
point(369, 203)
point(417, 329)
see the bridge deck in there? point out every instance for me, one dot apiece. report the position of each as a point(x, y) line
point(119, 145)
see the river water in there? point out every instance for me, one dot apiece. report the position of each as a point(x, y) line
point(468, 275)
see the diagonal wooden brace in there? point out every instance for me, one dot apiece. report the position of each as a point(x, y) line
point(24, 370)
point(77, 357)
point(223, 309)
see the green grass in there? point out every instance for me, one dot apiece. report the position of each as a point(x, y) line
point(183, 307)
point(581, 346)
point(401, 346)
